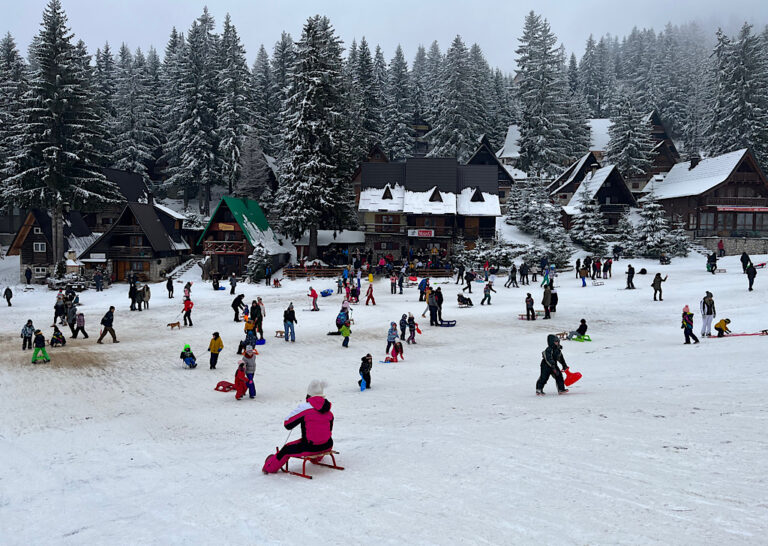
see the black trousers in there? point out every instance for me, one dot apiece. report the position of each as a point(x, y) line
point(530, 314)
point(433, 315)
point(26, 342)
point(187, 318)
point(302, 446)
point(630, 282)
point(546, 372)
point(80, 329)
point(214, 360)
point(367, 378)
point(469, 287)
point(688, 333)
point(546, 311)
point(237, 314)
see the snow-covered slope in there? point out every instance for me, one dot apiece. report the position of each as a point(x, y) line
point(659, 443)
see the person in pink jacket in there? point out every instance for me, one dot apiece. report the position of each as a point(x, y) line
point(316, 420)
point(313, 294)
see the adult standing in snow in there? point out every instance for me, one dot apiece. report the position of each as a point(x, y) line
point(8, 294)
point(107, 321)
point(751, 274)
point(237, 306)
point(132, 295)
point(554, 298)
point(708, 313)
point(687, 326)
point(188, 305)
point(550, 358)
point(268, 275)
point(511, 274)
point(261, 314)
point(232, 284)
point(215, 346)
point(578, 267)
point(432, 305)
point(316, 424)
point(289, 320)
point(524, 273)
point(98, 280)
point(249, 358)
point(469, 276)
point(147, 294)
point(656, 284)
point(401, 280)
point(28, 274)
point(745, 261)
point(546, 301)
point(72, 318)
point(439, 301)
point(630, 277)
point(169, 287)
point(720, 248)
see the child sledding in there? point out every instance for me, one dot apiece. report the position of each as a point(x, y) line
point(188, 357)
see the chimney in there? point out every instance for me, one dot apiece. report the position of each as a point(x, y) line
point(593, 168)
point(694, 161)
point(150, 198)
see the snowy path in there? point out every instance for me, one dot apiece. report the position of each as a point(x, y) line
point(659, 443)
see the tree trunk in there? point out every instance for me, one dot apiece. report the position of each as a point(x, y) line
point(313, 242)
point(186, 198)
point(57, 232)
point(207, 203)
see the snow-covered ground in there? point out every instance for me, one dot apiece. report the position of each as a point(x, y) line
point(659, 443)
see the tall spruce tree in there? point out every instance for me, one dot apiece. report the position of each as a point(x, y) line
point(254, 182)
point(57, 157)
point(234, 108)
point(453, 130)
point(266, 108)
point(630, 143)
point(652, 234)
point(398, 135)
point(419, 84)
point(366, 103)
point(13, 85)
point(283, 61)
point(312, 192)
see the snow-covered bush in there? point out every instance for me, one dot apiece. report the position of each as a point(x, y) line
point(257, 263)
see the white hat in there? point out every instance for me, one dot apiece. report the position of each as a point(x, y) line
point(316, 388)
point(249, 348)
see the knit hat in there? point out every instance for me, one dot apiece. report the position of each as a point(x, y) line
point(686, 309)
point(316, 387)
point(249, 348)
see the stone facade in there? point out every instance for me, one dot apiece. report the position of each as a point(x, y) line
point(734, 246)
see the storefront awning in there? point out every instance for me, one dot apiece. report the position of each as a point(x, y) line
point(742, 209)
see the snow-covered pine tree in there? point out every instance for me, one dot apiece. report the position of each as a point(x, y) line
point(234, 108)
point(589, 77)
point(257, 263)
point(452, 133)
point(93, 133)
point(739, 114)
point(433, 72)
point(501, 110)
point(652, 234)
point(481, 94)
point(195, 140)
point(266, 110)
point(589, 226)
point(678, 243)
point(626, 235)
point(630, 143)
point(56, 160)
point(418, 82)
point(398, 135)
point(543, 125)
point(283, 61)
point(366, 106)
point(558, 248)
point(136, 127)
point(578, 135)
point(255, 182)
point(380, 79)
point(312, 193)
point(573, 75)
point(13, 85)
point(105, 87)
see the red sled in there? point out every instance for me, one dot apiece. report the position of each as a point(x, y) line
point(571, 377)
point(224, 386)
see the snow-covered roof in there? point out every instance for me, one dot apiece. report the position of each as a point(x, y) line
point(651, 183)
point(170, 212)
point(589, 187)
point(419, 202)
point(683, 180)
point(266, 238)
point(489, 206)
point(516, 174)
point(81, 244)
point(574, 172)
point(372, 199)
point(326, 237)
point(599, 134)
point(511, 149)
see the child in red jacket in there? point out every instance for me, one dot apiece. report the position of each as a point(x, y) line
point(241, 381)
point(188, 305)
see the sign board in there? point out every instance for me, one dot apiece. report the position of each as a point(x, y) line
point(98, 256)
point(421, 233)
point(742, 209)
point(221, 226)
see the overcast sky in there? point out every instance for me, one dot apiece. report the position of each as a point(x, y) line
point(493, 24)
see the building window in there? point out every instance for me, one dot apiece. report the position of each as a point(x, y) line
point(41, 270)
point(607, 200)
point(137, 240)
point(37, 231)
point(761, 221)
point(691, 220)
point(635, 185)
point(38, 247)
point(137, 266)
point(744, 221)
point(707, 221)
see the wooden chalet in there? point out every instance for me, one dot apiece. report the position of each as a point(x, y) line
point(376, 155)
point(425, 203)
point(723, 197)
point(484, 155)
point(235, 228)
point(664, 155)
point(33, 242)
point(144, 240)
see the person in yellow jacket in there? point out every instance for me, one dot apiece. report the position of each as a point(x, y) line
point(722, 327)
point(215, 347)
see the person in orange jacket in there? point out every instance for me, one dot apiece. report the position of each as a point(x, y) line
point(188, 305)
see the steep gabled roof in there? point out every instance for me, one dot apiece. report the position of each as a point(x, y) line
point(151, 225)
point(425, 173)
point(590, 186)
point(574, 173)
point(483, 155)
point(131, 185)
point(75, 230)
point(252, 221)
point(378, 175)
point(684, 181)
point(511, 148)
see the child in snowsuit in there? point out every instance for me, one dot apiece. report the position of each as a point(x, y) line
point(40, 348)
point(366, 363)
point(391, 336)
point(80, 326)
point(397, 350)
point(369, 295)
point(487, 294)
point(188, 305)
point(687, 326)
point(57, 339)
point(313, 294)
point(530, 314)
point(722, 327)
point(550, 357)
point(580, 331)
point(241, 382)
point(411, 329)
point(403, 325)
point(249, 359)
point(464, 300)
point(345, 331)
point(215, 347)
point(26, 335)
point(188, 357)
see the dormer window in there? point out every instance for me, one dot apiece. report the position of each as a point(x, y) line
point(477, 197)
point(435, 197)
point(387, 193)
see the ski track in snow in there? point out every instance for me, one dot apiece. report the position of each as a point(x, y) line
point(659, 443)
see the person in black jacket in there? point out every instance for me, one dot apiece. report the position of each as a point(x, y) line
point(366, 364)
point(403, 325)
point(751, 274)
point(169, 287)
point(106, 322)
point(630, 277)
point(524, 273)
point(289, 319)
point(460, 275)
point(550, 357)
point(439, 301)
point(745, 261)
point(237, 306)
point(469, 277)
point(8, 294)
point(580, 331)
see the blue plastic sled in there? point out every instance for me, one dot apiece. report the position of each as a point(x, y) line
point(261, 342)
point(222, 288)
point(362, 383)
point(326, 293)
point(447, 323)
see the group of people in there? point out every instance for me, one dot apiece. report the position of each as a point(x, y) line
point(594, 268)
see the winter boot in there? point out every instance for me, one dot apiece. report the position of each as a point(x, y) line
point(540, 392)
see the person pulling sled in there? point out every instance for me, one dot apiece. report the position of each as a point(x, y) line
point(550, 358)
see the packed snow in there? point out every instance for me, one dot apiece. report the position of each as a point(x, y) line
point(658, 443)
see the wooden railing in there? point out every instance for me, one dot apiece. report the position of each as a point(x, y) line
point(737, 201)
point(224, 247)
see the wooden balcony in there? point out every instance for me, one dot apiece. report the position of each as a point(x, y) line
point(118, 252)
point(224, 247)
point(736, 201)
